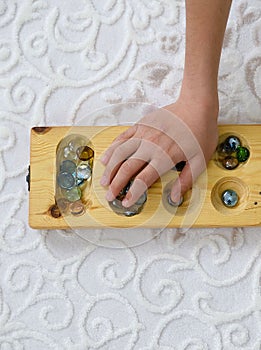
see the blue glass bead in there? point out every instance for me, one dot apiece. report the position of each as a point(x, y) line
point(229, 198)
point(232, 143)
point(66, 180)
point(68, 166)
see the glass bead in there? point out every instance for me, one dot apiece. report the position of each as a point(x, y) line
point(76, 142)
point(66, 180)
point(79, 182)
point(77, 208)
point(68, 166)
point(242, 154)
point(232, 143)
point(142, 199)
point(229, 198)
point(223, 149)
point(135, 209)
point(63, 204)
point(68, 154)
point(85, 153)
point(73, 195)
point(83, 171)
point(230, 162)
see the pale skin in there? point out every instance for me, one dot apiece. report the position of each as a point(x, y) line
point(160, 140)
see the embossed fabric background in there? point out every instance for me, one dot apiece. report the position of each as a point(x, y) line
point(59, 61)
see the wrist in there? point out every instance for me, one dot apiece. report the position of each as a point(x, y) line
point(201, 93)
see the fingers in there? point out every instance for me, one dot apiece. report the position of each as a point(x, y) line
point(187, 177)
point(117, 142)
point(141, 183)
point(127, 170)
point(122, 152)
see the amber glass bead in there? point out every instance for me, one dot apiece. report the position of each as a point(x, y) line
point(85, 153)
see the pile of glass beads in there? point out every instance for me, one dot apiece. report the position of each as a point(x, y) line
point(136, 208)
point(74, 165)
point(230, 153)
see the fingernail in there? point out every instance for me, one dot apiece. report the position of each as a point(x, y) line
point(125, 202)
point(104, 181)
point(176, 200)
point(110, 196)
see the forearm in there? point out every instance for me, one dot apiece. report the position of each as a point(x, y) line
point(205, 27)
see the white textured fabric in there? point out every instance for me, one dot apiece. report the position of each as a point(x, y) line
point(59, 61)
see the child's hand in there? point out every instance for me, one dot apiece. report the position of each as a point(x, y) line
point(186, 130)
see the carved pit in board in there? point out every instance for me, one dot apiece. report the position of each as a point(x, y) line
point(222, 138)
point(230, 183)
point(191, 200)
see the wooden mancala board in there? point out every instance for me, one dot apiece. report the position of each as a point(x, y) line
point(202, 206)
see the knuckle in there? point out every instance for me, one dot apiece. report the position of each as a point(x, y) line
point(127, 168)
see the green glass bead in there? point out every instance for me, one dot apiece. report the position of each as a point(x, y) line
point(242, 154)
point(73, 195)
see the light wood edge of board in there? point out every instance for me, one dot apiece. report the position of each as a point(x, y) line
point(246, 178)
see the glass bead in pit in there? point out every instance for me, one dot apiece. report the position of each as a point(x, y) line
point(230, 162)
point(85, 153)
point(77, 208)
point(63, 204)
point(135, 209)
point(66, 180)
point(229, 198)
point(242, 154)
point(68, 166)
point(83, 171)
point(76, 142)
point(73, 195)
point(232, 143)
point(223, 149)
point(68, 154)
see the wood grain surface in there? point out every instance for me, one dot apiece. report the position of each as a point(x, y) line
point(202, 205)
